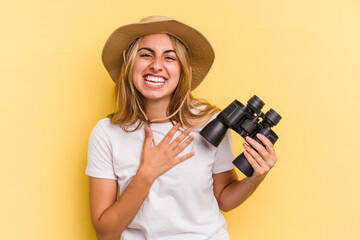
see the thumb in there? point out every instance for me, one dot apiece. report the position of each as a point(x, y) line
point(148, 137)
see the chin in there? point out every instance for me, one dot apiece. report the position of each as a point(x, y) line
point(155, 97)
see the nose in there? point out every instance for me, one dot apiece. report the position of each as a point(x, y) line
point(156, 65)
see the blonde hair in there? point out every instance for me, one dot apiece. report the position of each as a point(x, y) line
point(130, 104)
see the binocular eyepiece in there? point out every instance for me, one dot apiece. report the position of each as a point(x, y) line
point(245, 120)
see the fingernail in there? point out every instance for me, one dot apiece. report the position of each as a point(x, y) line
point(244, 145)
point(191, 138)
point(178, 124)
point(259, 135)
point(247, 138)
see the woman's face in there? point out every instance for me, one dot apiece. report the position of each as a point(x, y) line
point(156, 71)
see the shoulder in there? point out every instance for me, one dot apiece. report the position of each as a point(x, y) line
point(112, 131)
point(106, 125)
point(102, 126)
point(105, 129)
point(198, 108)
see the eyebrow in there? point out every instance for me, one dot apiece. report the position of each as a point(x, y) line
point(150, 50)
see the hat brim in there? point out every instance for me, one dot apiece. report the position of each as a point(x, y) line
point(201, 53)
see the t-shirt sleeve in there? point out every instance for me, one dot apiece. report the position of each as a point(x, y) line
point(99, 159)
point(224, 155)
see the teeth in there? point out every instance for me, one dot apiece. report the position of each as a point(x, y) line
point(155, 79)
point(154, 84)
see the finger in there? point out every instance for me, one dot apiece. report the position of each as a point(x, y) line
point(255, 155)
point(183, 145)
point(170, 134)
point(148, 137)
point(259, 148)
point(184, 157)
point(255, 165)
point(269, 156)
point(180, 138)
point(268, 144)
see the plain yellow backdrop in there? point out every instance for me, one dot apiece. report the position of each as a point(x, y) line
point(301, 57)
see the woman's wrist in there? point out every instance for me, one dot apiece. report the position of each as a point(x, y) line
point(256, 180)
point(146, 175)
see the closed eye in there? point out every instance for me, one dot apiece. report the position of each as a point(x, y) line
point(170, 58)
point(145, 55)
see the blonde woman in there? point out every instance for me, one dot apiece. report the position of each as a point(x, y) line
point(152, 176)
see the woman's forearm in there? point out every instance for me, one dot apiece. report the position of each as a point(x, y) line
point(237, 192)
point(118, 216)
point(262, 158)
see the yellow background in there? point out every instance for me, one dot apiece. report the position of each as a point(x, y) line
point(301, 57)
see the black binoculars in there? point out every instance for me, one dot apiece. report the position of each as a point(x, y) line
point(245, 120)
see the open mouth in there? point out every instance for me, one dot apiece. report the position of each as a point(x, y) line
point(154, 81)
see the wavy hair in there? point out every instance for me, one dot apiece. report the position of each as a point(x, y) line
point(130, 105)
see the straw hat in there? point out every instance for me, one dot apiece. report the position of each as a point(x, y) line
point(201, 53)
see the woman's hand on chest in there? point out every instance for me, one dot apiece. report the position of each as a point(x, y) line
point(156, 160)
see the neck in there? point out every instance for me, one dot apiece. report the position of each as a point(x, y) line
point(156, 109)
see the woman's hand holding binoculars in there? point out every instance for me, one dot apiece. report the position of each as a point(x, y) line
point(261, 158)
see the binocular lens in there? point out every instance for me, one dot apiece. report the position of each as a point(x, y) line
point(255, 103)
point(273, 117)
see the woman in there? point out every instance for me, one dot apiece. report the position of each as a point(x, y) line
point(171, 182)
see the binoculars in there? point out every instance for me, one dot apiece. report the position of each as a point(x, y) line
point(245, 120)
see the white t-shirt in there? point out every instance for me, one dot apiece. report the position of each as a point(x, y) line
point(181, 202)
